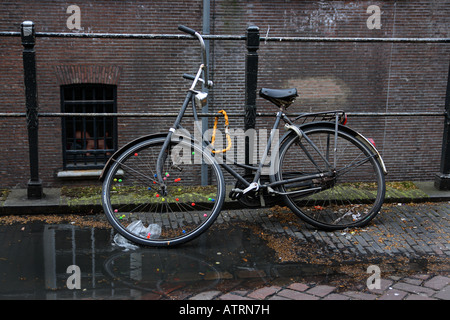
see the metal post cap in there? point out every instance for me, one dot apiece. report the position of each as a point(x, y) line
point(27, 33)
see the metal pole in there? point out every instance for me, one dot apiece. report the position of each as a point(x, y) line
point(29, 66)
point(205, 31)
point(442, 179)
point(251, 84)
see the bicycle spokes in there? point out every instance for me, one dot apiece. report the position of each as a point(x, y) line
point(135, 194)
point(348, 194)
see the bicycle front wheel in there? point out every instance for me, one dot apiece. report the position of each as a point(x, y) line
point(348, 188)
point(137, 210)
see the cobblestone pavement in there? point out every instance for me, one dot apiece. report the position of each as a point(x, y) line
point(404, 234)
point(409, 243)
point(415, 287)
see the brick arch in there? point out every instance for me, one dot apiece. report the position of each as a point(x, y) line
point(76, 74)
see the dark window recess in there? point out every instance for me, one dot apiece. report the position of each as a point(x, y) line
point(88, 142)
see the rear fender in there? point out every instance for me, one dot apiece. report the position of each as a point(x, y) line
point(357, 135)
point(126, 146)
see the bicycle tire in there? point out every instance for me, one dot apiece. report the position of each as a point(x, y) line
point(350, 198)
point(131, 194)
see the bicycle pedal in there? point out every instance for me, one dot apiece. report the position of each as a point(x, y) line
point(235, 194)
point(174, 166)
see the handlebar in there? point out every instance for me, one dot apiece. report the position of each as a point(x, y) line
point(186, 29)
point(192, 32)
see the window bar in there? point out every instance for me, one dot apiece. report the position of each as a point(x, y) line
point(114, 132)
point(64, 128)
point(94, 122)
point(104, 126)
point(88, 141)
point(74, 134)
point(83, 124)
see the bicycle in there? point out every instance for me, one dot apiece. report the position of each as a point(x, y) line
point(329, 175)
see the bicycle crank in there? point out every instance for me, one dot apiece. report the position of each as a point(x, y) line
point(252, 196)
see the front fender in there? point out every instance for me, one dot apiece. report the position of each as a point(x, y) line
point(345, 129)
point(125, 147)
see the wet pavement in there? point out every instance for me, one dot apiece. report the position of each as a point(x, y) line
point(248, 254)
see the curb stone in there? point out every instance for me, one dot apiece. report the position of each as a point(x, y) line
point(436, 288)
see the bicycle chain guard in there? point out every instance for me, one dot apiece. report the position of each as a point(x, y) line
point(252, 198)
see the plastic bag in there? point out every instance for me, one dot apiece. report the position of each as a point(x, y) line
point(120, 241)
point(153, 231)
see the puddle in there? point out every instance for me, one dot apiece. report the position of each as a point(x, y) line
point(34, 259)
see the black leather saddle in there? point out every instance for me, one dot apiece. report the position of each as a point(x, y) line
point(280, 97)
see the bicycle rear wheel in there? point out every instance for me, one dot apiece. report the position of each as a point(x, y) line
point(137, 210)
point(349, 195)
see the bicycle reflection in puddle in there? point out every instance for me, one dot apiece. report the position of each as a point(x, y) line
point(36, 264)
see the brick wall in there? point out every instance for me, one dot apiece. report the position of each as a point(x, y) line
point(356, 77)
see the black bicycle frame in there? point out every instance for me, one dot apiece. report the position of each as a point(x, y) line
point(255, 182)
point(279, 115)
point(259, 168)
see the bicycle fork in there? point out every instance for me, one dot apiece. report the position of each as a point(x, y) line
point(163, 154)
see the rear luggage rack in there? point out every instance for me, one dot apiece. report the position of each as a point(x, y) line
point(330, 116)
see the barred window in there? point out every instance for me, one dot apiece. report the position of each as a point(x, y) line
point(88, 141)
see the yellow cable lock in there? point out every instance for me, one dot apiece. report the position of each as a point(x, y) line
point(227, 133)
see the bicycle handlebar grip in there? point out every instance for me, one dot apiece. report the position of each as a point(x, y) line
point(188, 76)
point(186, 29)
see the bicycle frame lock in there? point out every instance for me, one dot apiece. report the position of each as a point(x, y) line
point(227, 133)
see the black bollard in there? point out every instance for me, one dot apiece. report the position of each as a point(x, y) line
point(251, 83)
point(34, 190)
